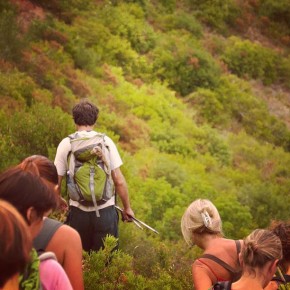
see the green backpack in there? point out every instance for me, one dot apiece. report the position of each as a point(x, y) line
point(89, 179)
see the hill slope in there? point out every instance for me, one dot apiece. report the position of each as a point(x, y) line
point(195, 95)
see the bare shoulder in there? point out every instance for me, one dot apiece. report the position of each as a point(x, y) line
point(201, 275)
point(67, 234)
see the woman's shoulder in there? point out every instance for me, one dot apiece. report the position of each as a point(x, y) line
point(223, 249)
point(67, 235)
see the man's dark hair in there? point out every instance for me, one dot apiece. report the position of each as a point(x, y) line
point(85, 113)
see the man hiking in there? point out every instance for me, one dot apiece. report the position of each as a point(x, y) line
point(91, 163)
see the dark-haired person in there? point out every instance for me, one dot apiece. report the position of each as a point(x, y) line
point(34, 197)
point(259, 257)
point(82, 217)
point(54, 236)
point(201, 225)
point(15, 246)
point(282, 230)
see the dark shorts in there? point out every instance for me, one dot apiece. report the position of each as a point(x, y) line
point(93, 229)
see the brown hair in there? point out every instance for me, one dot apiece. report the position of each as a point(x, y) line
point(24, 190)
point(41, 166)
point(282, 230)
point(15, 242)
point(260, 247)
point(85, 113)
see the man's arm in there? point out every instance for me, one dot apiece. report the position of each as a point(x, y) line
point(122, 191)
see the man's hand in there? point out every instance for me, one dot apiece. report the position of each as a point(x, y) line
point(62, 204)
point(127, 214)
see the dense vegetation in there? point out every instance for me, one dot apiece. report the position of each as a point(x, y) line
point(193, 92)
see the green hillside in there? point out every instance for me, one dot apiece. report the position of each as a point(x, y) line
point(196, 95)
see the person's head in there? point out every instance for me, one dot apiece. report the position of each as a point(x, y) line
point(201, 217)
point(41, 166)
point(85, 113)
point(260, 254)
point(282, 230)
point(15, 243)
point(32, 195)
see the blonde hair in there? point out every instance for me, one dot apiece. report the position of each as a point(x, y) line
point(260, 247)
point(200, 217)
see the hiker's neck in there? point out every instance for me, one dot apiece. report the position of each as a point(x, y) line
point(84, 128)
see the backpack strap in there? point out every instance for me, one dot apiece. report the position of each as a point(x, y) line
point(92, 189)
point(50, 226)
point(220, 262)
point(46, 256)
point(238, 246)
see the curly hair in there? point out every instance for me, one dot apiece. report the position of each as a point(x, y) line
point(282, 230)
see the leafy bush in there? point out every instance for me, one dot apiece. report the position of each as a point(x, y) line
point(278, 11)
point(234, 101)
point(128, 22)
point(11, 40)
point(183, 64)
point(180, 20)
point(17, 86)
point(67, 10)
point(252, 60)
point(117, 270)
point(237, 219)
point(216, 13)
point(35, 131)
point(93, 44)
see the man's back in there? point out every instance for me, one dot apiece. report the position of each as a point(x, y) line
point(91, 227)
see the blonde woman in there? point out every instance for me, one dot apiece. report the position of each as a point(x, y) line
point(201, 225)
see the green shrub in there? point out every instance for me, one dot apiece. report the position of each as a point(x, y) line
point(180, 20)
point(17, 85)
point(117, 270)
point(67, 10)
point(237, 219)
point(11, 40)
point(278, 11)
point(35, 131)
point(128, 22)
point(252, 60)
point(263, 210)
point(232, 101)
point(216, 13)
point(179, 61)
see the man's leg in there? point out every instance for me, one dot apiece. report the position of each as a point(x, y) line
point(106, 224)
point(80, 221)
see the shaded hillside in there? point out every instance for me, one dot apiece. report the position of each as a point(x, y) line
point(196, 95)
